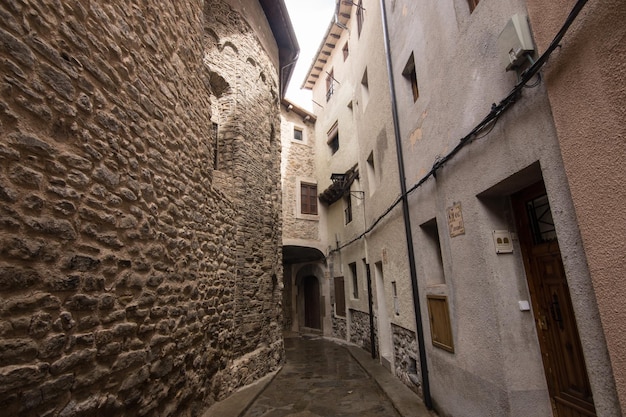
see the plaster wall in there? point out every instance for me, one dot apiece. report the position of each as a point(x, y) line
point(592, 136)
point(366, 132)
point(496, 366)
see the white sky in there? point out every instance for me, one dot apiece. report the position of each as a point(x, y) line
point(310, 19)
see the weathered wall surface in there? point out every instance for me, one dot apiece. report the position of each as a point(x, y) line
point(592, 135)
point(122, 267)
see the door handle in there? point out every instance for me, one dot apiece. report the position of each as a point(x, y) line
point(555, 311)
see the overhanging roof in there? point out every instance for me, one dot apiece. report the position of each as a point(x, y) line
point(333, 33)
point(288, 49)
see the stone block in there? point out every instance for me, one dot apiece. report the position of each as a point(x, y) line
point(12, 278)
point(82, 302)
point(128, 359)
point(82, 357)
point(17, 351)
point(17, 376)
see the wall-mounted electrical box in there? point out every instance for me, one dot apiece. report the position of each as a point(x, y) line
point(503, 241)
point(515, 43)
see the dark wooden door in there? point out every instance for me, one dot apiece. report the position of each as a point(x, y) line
point(561, 350)
point(311, 303)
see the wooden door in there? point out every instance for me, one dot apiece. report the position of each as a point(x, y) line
point(563, 360)
point(311, 303)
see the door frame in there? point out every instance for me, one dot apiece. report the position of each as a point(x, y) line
point(547, 346)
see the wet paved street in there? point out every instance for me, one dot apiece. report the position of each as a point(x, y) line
point(320, 378)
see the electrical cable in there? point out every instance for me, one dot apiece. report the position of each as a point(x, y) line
point(488, 122)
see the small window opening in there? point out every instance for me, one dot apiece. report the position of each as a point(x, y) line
point(216, 146)
point(371, 173)
point(410, 75)
point(333, 139)
point(396, 302)
point(360, 16)
point(472, 4)
point(348, 208)
point(355, 281)
point(330, 84)
point(365, 89)
point(346, 51)
point(297, 133)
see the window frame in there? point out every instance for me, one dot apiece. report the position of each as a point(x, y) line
point(340, 297)
point(410, 74)
point(355, 280)
point(305, 208)
point(360, 17)
point(347, 210)
point(333, 138)
point(300, 129)
point(472, 5)
point(330, 84)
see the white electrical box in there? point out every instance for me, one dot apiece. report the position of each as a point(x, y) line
point(503, 241)
point(515, 42)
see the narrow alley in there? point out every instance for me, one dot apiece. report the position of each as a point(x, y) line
point(323, 378)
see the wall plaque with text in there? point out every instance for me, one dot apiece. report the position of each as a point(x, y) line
point(455, 220)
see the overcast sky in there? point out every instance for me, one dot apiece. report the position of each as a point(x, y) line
point(310, 19)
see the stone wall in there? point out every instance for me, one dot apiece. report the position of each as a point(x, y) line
point(406, 356)
point(360, 329)
point(340, 328)
point(131, 284)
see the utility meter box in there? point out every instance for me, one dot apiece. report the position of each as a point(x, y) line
point(515, 42)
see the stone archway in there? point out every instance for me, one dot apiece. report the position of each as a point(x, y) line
point(310, 298)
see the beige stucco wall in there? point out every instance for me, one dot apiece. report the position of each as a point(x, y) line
point(587, 89)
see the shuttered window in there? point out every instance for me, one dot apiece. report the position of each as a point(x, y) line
point(308, 198)
point(340, 297)
point(440, 328)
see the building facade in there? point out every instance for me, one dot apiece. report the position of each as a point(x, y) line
point(140, 228)
point(457, 253)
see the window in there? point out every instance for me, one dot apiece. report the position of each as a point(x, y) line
point(472, 4)
point(440, 328)
point(347, 211)
point(371, 173)
point(216, 145)
point(396, 303)
point(340, 297)
point(360, 16)
point(365, 89)
point(431, 254)
point(308, 198)
point(355, 281)
point(333, 138)
point(330, 84)
point(411, 76)
point(297, 133)
point(346, 51)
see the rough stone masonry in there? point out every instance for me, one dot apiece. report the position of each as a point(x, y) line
point(138, 276)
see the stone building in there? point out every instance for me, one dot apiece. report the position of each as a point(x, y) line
point(140, 206)
point(456, 251)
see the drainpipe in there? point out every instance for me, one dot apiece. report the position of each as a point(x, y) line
point(406, 214)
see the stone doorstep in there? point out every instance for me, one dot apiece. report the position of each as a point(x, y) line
point(238, 403)
point(406, 402)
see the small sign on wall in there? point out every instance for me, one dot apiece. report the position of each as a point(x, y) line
point(455, 220)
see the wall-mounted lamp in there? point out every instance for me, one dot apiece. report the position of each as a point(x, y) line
point(351, 3)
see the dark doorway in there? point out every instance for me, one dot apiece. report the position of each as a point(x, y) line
point(311, 303)
point(562, 354)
